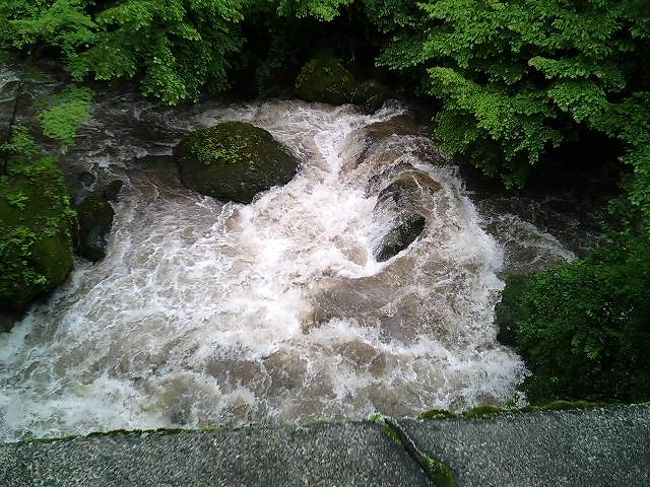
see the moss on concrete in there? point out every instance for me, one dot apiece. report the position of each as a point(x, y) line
point(481, 411)
point(436, 414)
point(438, 472)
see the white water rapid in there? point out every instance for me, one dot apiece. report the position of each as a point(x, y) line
point(204, 312)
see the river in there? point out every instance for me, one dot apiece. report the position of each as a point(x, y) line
point(205, 312)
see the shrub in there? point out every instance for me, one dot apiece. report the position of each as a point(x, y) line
point(584, 327)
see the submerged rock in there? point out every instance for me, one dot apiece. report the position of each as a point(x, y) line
point(111, 191)
point(95, 219)
point(234, 161)
point(86, 179)
point(400, 237)
point(400, 204)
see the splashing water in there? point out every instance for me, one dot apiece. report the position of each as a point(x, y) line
point(204, 312)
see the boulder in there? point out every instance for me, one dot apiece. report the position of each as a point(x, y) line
point(35, 238)
point(111, 191)
point(95, 219)
point(400, 204)
point(234, 161)
point(400, 236)
point(86, 179)
point(326, 80)
point(371, 95)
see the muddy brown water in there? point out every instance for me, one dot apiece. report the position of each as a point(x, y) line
point(208, 312)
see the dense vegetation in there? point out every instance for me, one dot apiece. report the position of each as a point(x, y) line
point(517, 81)
point(36, 216)
point(584, 325)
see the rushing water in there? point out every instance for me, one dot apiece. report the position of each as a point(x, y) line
point(205, 312)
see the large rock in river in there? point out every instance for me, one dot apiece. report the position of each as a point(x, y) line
point(399, 206)
point(35, 232)
point(234, 161)
point(325, 80)
point(95, 219)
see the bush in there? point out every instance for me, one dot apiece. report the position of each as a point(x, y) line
point(35, 226)
point(520, 77)
point(584, 327)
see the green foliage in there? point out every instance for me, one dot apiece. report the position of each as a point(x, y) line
point(324, 10)
point(177, 46)
point(65, 113)
point(60, 23)
point(21, 145)
point(584, 327)
point(519, 77)
point(35, 223)
point(392, 15)
point(35, 213)
point(16, 199)
point(629, 121)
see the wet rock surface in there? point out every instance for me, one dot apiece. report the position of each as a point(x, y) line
point(234, 161)
point(400, 237)
point(95, 219)
point(370, 95)
point(381, 143)
point(326, 80)
point(400, 204)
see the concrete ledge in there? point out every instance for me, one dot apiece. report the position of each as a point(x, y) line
point(592, 447)
point(345, 454)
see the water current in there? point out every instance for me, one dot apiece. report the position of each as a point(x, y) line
point(209, 312)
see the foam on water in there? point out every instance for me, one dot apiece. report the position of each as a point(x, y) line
point(204, 312)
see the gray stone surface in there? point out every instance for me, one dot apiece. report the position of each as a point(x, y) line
point(349, 454)
point(555, 448)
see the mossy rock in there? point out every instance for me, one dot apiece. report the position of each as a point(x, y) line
point(234, 161)
point(35, 233)
point(371, 95)
point(95, 219)
point(326, 80)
